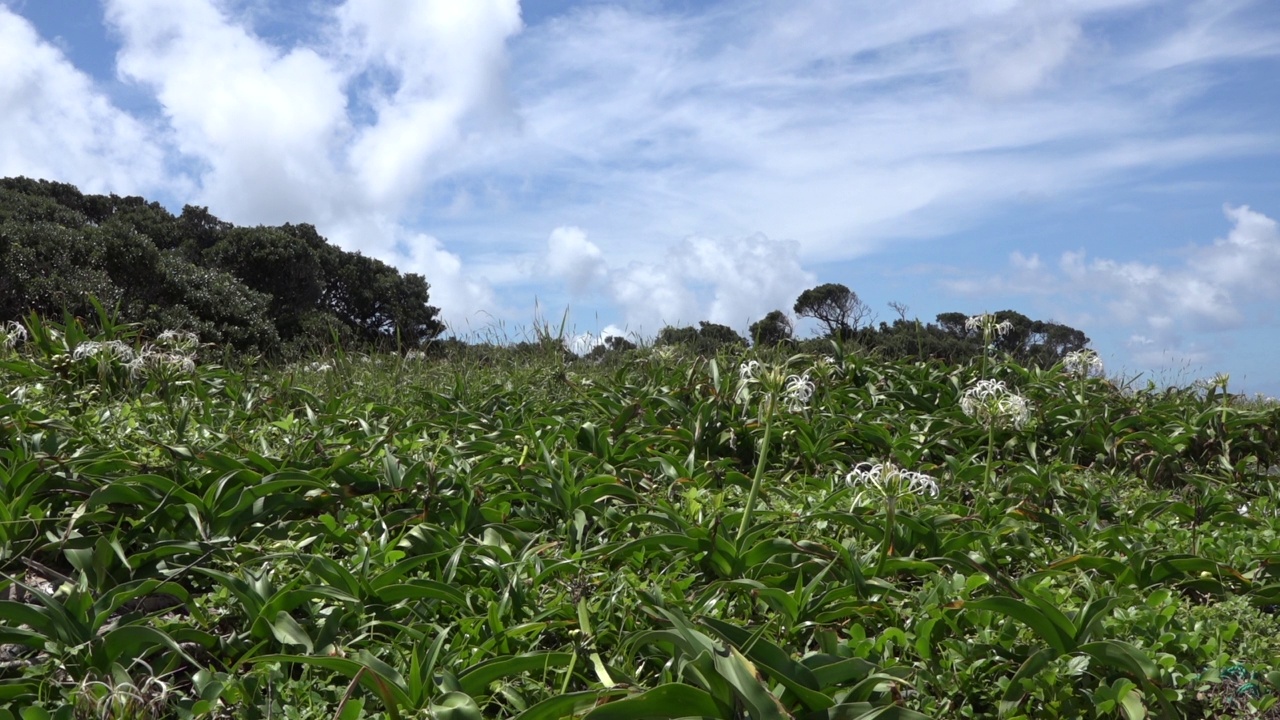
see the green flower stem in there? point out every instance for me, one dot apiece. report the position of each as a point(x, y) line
point(886, 545)
point(759, 477)
point(991, 445)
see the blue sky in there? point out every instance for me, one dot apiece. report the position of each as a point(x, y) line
point(1110, 164)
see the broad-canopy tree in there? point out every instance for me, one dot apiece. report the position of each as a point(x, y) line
point(835, 306)
point(771, 330)
point(255, 289)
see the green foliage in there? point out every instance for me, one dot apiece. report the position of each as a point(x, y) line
point(376, 302)
point(276, 264)
point(276, 291)
point(478, 531)
point(835, 306)
point(48, 268)
point(706, 339)
point(211, 303)
point(771, 330)
point(1028, 342)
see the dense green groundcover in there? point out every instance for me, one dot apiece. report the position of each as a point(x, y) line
point(495, 535)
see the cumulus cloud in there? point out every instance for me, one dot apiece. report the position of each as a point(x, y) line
point(1211, 290)
point(571, 256)
point(732, 281)
point(746, 277)
point(261, 124)
point(55, 124)
point(583, 343)
point(448, 62)
point(1171, 309)
point(464, 296)
point(342, 132)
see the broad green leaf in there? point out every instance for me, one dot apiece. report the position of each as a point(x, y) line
point(568, 705)
point(672, 700)
point(1032, 617)
point(389, 687)
point(475, 680)
point(288, 631)
point(455, 706)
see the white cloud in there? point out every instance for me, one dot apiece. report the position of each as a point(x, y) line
point(570, 255)
point(747, 277)
point(262, 124)
point(1172, 308)
point(842, 125)
point(304, 134)
point(1211, 290)
point(730, 281)
point(583, 343)
point(1019, 52)
point(448, 60)
point(464, 296)
point(651, 296)
point(55, 124)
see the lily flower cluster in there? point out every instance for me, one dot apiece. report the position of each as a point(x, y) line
point(992, 403)
point(795, 391)
point(171, 353)
point(888, 481)
point(989, 325)
point(12, 334)
point(114, 349)
point(1082, 363)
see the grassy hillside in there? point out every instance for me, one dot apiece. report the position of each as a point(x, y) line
point(499, 534)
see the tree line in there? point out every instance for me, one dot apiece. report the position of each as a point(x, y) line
point(285, 290)
point(843, 316)
point(270, 290)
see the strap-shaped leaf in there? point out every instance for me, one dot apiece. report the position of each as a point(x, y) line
point(672, 700)
point(1032, 617)
point(475, 680)
point(795, 677)
point(568, 705)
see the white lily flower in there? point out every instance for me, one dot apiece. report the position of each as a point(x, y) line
point(991, 402)
point(797, 393)
point(886, 480)
point(1082, 363)
point(114, 348)
point(178, 339)
point(12, 334)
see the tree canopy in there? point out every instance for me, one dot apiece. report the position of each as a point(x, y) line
point(707, 338)
point(835, 306)
point(1030, 342)
point(259, 289)
point(773, 329)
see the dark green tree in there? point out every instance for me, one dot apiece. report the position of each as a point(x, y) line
point(275, 263)
point(376, 302)
point(49, 268)
point(706, 339)
point(59, 246)
point(771, 330)
point(835, 306)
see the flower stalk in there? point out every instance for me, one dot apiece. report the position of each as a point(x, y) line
point(992, 403)
point(890, 483)
point(793, 392)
